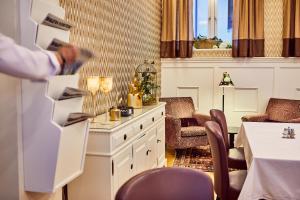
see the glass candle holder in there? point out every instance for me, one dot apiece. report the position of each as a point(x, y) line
point(93, 85)
point(106, 85)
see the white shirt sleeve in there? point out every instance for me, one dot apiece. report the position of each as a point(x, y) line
point(21, 62)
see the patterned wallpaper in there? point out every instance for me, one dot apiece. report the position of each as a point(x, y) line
point(273, 27)
point(212, 53)
point(121, 33)
point(273, 33)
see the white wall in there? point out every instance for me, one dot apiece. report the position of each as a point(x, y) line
point(256, 80)
point(9, 135)
point(11, 165)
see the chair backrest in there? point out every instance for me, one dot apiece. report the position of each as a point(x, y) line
point(168, 183)
point(283, 109)
point(219, 155)
point(179, 107)
point(219, 117)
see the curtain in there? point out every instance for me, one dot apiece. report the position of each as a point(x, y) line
point(291, 28)
point(177, 29)
point(248, 28)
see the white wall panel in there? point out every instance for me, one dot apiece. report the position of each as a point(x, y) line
point(245, 100)
point(289, 82)
point(193, 92)
point(195, 82)
point(256, 80)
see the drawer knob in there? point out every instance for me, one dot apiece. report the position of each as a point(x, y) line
point(148, 151)
point(141, 126)
point(162, 113)
point(158, 140)
point(125, 136)
point(153, 119)
point(131, 166)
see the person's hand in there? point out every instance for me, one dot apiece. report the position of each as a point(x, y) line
point(67, 54)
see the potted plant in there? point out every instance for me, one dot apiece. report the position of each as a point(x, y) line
point(147, 75)
point(202, 42)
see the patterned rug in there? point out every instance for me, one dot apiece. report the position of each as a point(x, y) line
point(197, 158)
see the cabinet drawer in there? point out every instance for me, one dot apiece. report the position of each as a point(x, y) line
point(149, 120)
point(141, 125)
point(158, 114)
point(122, 136)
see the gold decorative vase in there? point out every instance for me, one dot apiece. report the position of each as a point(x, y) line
point(134, 100)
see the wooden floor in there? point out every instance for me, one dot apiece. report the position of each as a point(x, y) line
point(170, 156)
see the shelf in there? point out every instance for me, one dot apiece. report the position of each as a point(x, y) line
point(56, 22)
point(41, 8)
point(62, 109)
point(53, 155)
point(46, 34)
point(55, 83)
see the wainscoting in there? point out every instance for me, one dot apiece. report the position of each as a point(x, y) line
point(255, 79)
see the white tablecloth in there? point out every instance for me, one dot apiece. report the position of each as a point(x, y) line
point(273, 162)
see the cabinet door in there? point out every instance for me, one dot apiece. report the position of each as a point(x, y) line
point(122, 168)
point(161, 143)
point(139, 154)
point(152, 148)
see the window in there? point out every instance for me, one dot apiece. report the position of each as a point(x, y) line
point(213, 18)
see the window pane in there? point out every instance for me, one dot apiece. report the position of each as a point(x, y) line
point(200, 17)
point(224, 10)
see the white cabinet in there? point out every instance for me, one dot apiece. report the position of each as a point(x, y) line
point(152, 148)
point(161, 144)
point(122, 167)
point(120, 150)
point(139, 151)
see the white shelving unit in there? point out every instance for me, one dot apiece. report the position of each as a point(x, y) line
point(53, 155)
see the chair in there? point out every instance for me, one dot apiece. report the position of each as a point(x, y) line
point(236, 157)
point(184, 127)
point(278, 110)
point(227, 185)
point(168, 184)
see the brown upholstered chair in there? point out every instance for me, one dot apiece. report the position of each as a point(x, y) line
point(227, 185)
point(168, 184)
point(278, 110)
point(236, 157)
point(184, 127)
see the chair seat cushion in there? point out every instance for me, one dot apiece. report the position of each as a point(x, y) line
point(236, 182)
point(236, 158)
point(192, 131)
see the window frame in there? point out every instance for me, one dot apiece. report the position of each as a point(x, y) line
point(212, 18)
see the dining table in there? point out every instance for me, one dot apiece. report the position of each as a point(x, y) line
point(273, 161)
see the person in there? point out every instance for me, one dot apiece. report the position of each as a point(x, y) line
point(21, 62)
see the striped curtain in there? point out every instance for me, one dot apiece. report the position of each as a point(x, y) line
point(291, 28)
point(177, 29)
point(248, 28)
